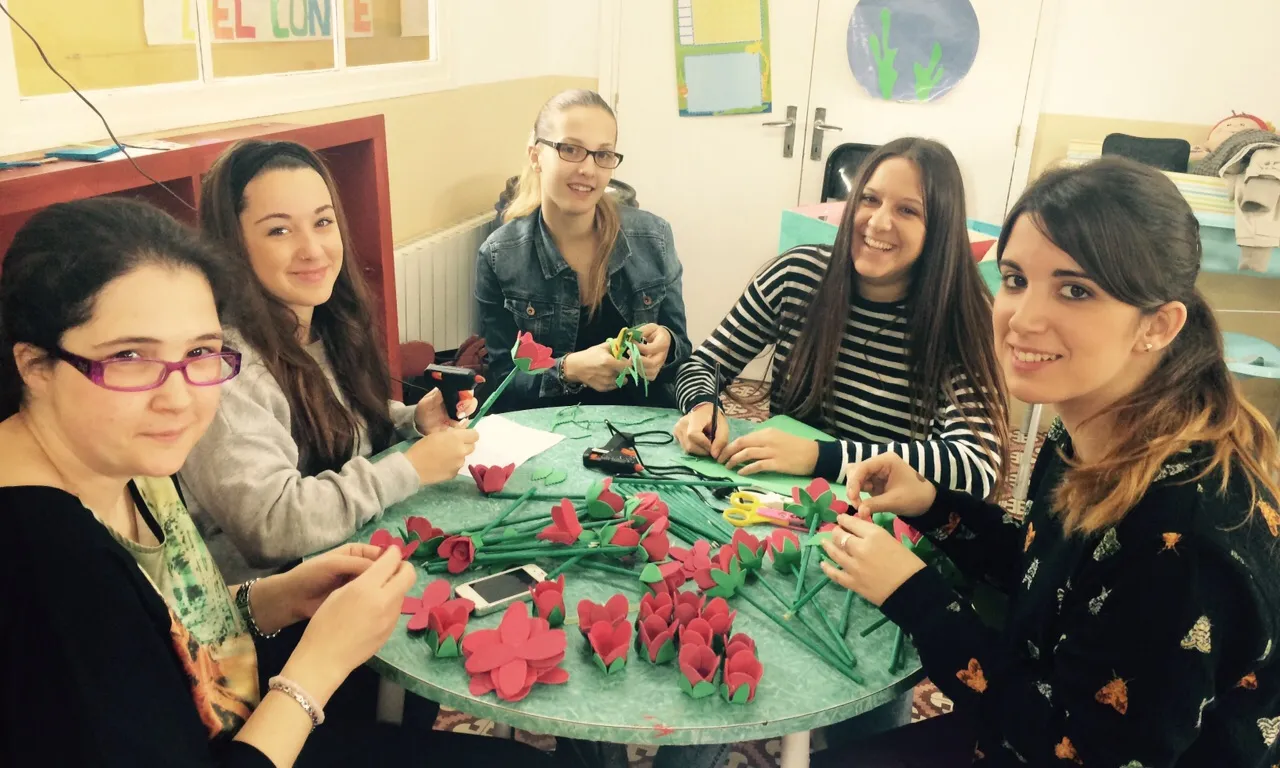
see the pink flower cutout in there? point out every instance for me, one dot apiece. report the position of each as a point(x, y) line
point(382, 539)
point(459, 551)
point(436, 593)
point(565, 528)
point(491, 479)
point(511, 659)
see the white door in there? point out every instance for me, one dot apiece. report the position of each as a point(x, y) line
point(978, 119)
point(722, 182)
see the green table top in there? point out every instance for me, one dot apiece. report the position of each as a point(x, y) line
point(643, 704)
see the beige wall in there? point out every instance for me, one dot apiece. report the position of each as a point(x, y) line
point(1054, 132)
point(449, 152)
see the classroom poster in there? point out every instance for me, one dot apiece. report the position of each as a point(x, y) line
point(256, 21)
point(912, 50)
point(722, 57)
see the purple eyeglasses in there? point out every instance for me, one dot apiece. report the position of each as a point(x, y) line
point(139, 374)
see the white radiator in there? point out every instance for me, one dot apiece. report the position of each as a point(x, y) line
point(435, 283)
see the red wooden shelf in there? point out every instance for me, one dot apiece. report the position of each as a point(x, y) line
point(356, 151)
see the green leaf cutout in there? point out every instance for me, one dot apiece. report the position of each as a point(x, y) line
point(556, 477)
point(816, 539)
point(542, 474)
point(448, 649)
point(650, 574)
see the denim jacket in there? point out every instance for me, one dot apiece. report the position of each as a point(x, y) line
point(524, 284)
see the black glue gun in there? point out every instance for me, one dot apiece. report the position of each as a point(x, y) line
point(617, 457)
point(455, 384)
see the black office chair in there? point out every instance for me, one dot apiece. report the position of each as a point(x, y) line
point(1165, 154)
point(842, 169)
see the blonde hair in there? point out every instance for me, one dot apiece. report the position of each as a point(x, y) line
point(528, 196)
point(1134, 234)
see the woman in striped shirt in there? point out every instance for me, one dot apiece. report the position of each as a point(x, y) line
point(883, 340)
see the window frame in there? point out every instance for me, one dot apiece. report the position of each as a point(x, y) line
point(31, 123)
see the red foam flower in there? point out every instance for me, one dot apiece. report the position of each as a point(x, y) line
point(739, 642)
point(657, 638)
point(522, 651)
point(650, 509)
point(530, 356)
point(784, 548)
point(446, 623)
point(901, 528)
point(602, 501)
point(688, 607)
point(459, 551)
point(435, 593)
point(748, 549)
point(610, 643)
point(693, 559)
point(698, 665)
point(422, 528)
point(698, 631)
point(382, 539)
point(717, 562)
point(565, 528)
point(661, 605)
point(742, 672)
point(622, 536)
point(656, 542)
point(613, 612)
point(719, 616)
point(816, 499)
point(673, 577)
point(548, 601)
point(491, 479)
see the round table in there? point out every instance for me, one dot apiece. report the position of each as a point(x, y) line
point(643, 704)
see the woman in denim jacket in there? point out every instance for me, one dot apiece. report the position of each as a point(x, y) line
point(573, 268)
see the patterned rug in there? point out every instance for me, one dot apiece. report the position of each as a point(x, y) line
point(927, 701)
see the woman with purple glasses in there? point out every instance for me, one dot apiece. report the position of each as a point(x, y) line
point(118, 629)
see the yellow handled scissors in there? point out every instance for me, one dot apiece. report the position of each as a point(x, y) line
point(746, 508)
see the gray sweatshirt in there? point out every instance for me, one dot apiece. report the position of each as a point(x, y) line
point(244, 488)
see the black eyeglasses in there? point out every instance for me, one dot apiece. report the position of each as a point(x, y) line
point(139, 374)
point(573, 153)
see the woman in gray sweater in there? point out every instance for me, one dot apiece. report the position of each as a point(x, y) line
point(283, 470)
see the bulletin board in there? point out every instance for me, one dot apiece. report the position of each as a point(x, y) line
point(722, 57)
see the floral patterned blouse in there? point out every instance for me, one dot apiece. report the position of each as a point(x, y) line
point(1150, 644)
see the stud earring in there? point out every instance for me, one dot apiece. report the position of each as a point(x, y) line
point(1148, 347)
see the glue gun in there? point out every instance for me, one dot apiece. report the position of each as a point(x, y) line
point(455, 384)
point(617, 457)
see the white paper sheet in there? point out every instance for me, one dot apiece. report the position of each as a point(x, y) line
point(504, 442)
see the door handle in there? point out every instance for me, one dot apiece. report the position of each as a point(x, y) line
point(820, 126)
point(789, 135)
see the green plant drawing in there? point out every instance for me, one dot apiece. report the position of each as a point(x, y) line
point(884, 56)
point(928, 77)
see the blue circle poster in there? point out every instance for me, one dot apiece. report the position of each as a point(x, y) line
point(912, 50)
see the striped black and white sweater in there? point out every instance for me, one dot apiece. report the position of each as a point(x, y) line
point(872, 398)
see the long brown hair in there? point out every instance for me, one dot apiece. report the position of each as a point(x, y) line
point(949, 340)
point(325, 428)
point(528, 197)
point(1134, 234)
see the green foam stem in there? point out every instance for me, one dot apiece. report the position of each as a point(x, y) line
point(566, 565)
point(663, 483)
point(542, 518)
point(895, 660)
point(821, 653)
point(492, 399)
point(606, 568)
point(555, 553)
point(844, 613)
point(837, 642)
point(505, 513)
point(880, 622)
point(537, 495)
point(812, 593)
point(804, 561)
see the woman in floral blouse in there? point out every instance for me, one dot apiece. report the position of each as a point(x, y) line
point(1143, 581)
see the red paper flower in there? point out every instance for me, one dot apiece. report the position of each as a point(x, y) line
point(548, 601)
point(613, 612)
point(382, 539)
point(784, 548)
point(657, 639)
point(688, 607)
point(530, 356)
point(698, 665)
point(671, 578)
point(747, 548)
point(720, 561)
point(698, 631)
point(660, 605)
point(621, 536)
point(459, 551)
point(435, 593)
point(602, 501)
point(742, 673)
point(422, 528)
point(656, 542)
point(817, 499)
point(445, 624)
point(610, 643)
point(694, 559)
point(739, 642)
point(491, 479)
point(717, 614)
point(901, 528)
point(565, 528)
point(522, 651)
point(649, 509)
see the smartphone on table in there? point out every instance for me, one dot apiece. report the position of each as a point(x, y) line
point(497, 591)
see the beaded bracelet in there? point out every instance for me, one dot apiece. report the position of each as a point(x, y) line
point(246, 610)
point(299, 694)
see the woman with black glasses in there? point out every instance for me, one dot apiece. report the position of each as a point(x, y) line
point(573, 268)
